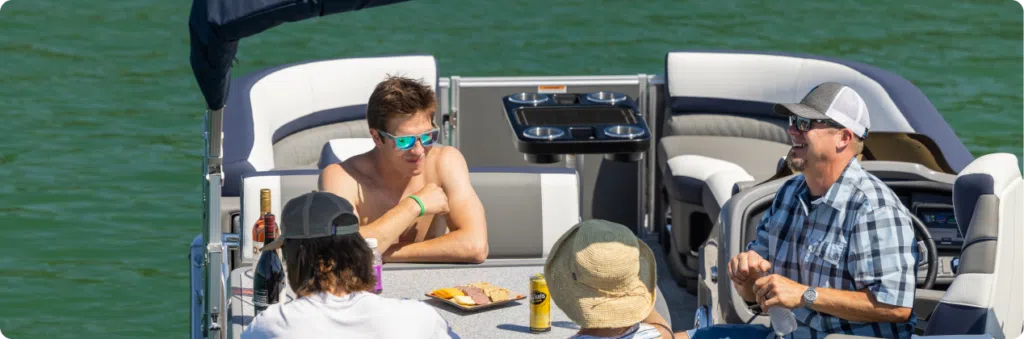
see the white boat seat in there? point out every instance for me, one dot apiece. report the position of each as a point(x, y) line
point(986, 295)
point(338, 150)
point(527, 208)
point(278, 118)
point(721, 186)
point(694, 158)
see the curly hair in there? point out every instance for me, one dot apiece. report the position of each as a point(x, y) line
point(398, 96)
point(342, 263)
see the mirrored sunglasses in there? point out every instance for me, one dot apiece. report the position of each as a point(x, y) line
point(406, 142)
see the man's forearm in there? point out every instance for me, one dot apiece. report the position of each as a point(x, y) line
point(456, 246)
point(390, 226)
point(859, 306)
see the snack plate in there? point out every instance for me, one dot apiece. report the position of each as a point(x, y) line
point(476, 307)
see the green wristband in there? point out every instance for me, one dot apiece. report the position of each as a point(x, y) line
point(419, 202)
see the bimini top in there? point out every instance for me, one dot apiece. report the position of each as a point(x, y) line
point(751, 82)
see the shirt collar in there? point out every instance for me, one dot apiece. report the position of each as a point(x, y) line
point(836, 196)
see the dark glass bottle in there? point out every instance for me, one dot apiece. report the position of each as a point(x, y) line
point(268, 280)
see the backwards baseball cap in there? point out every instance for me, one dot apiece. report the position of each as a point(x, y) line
point(315, 215)
point(832, 101)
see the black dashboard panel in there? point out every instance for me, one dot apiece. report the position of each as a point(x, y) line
point(941, 223)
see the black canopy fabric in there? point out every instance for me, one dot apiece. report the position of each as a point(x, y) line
point(215, 26)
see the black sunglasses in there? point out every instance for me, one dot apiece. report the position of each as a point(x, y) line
point(804, 124)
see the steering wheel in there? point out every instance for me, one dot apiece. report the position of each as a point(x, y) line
point(921, 231)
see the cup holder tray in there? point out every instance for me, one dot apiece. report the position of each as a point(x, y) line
point(576, 123)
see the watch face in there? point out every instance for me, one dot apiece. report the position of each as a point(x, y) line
point(810, 295)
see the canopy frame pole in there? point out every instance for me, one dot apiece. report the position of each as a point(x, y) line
point(214, 302)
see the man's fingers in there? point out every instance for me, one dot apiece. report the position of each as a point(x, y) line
point(764, 290)
point(762, 281)
point(744, 268)
point(765, 266)
point(771, 302)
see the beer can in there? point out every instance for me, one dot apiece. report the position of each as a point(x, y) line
point(540, 304)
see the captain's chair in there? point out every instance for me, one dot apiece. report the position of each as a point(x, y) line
point(987, 296)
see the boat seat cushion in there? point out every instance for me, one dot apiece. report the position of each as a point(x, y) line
point(721, 186)
point(527, 208)
point(338, 150)
point(691, 159)
point(986, 201)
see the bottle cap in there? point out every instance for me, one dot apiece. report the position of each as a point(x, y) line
point(372, 242)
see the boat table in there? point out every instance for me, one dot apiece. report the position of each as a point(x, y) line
point(413, 281)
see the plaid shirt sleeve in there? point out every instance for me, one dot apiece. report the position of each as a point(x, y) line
point(760, 242)
point(882, 255)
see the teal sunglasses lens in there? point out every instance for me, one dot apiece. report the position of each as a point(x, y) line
point(406, 142)
point(428, 138)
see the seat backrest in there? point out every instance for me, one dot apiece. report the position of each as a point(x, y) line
point(279, 117)
point(527, 208)
point(986, 295)
point(732, 94)
point(337, 150)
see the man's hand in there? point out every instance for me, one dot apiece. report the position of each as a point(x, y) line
point(776, 290)
point(434, 199)
point(746, 267)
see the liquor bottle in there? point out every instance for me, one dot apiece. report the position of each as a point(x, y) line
point(268, 279)
point(257, 229)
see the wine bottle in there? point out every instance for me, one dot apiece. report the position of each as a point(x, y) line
point(257, 228)
point(268, 279)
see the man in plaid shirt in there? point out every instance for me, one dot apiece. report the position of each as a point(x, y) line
point(836, 246)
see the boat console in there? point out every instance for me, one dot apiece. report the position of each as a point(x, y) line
point(548, 126)
point(941, 223)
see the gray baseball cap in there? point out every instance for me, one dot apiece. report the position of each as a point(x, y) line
point(832, 101)
point(315, 215)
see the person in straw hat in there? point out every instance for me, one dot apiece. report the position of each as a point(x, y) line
point(604, 279)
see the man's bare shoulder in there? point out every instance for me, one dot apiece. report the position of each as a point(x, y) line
point(449, 163)
point(344, 178)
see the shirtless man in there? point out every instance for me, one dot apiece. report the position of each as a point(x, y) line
point(408, 190)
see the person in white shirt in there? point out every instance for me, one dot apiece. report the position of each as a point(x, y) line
point(604, 278)
point(329, 267)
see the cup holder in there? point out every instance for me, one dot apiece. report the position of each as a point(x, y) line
point(543, 133)
point(529, 98)
point(606, 97)
point(623, 131)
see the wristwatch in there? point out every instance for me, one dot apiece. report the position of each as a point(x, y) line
point(810, 295)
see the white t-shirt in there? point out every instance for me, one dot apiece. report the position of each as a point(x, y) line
point(356, 315)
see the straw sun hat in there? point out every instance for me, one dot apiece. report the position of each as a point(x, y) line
point(601, 275)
